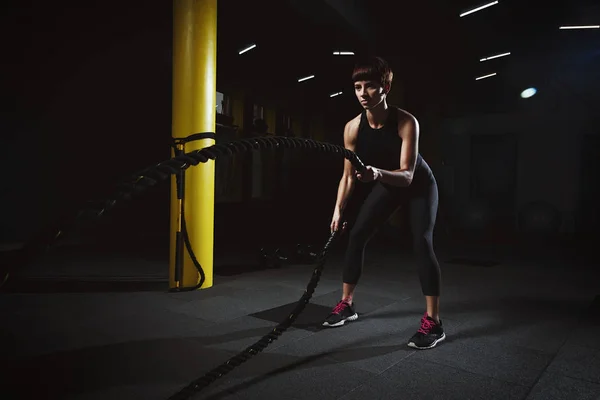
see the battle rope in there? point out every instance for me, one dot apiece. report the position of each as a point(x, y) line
point(235, 361)
point(151, 176)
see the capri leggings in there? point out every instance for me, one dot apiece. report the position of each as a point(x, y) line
point(421, 199)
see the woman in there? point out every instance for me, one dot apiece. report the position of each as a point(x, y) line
point(386, 139)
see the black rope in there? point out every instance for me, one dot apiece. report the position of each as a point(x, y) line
point(199, 384)
point(195, 136)
point(151, 176)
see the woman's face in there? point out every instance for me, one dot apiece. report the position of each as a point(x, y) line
point(369, 93)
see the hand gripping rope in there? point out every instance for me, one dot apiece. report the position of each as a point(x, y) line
point(160, 172)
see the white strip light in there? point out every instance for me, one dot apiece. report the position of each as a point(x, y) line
point(306, 78)
point(335, 94)
point(485, 76)
point(343, 53)
point(478, 9)
point(247, 49)
point(496, 56)
point(581, 27)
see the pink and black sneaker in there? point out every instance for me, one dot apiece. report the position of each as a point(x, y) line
point(341, 313)
point(429, 334)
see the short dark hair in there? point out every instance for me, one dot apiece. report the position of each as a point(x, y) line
point(373, 69)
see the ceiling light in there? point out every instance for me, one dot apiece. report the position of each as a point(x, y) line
point(478, 8)
point(496, 56)
point(527, 93)
point(306, 78)
point(485, 76)
point(581, 27)
point(247, 49)
point(335, 94)
point(343, 53)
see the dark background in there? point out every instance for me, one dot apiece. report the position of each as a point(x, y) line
point(86, 91)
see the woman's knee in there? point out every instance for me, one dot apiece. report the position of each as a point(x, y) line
point(358, 236)
point(423, 244)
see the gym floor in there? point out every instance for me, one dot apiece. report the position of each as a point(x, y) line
point(93, 324)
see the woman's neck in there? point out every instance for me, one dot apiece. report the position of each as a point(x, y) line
point(378, 115)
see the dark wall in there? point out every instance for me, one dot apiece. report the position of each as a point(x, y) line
point(89, 95)
point(90, 103)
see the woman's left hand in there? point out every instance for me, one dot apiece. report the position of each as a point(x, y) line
point(370, 174)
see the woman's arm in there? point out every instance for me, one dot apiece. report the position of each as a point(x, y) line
point(346, 186)
point(408, 130)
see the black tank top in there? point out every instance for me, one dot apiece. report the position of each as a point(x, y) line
point(381, 147)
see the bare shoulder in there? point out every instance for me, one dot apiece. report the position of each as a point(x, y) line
point(353, 124)
point(405, 118)
point(351, 129)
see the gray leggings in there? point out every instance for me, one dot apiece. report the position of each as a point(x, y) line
point(421, 198)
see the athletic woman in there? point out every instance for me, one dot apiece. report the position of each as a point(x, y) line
point(386, 139)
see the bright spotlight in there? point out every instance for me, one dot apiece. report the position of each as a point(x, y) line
point(527, 93)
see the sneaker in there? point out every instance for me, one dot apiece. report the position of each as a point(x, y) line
point(341, 313)
point(429, 334)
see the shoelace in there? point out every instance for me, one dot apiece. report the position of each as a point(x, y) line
point(426, 326)
point(340, 307)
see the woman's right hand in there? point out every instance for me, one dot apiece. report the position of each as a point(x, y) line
point(336, 223)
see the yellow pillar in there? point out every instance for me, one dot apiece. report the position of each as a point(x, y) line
point(194, 111)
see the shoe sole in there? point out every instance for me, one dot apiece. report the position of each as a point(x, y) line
point(342, 322)
point(432, 345)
